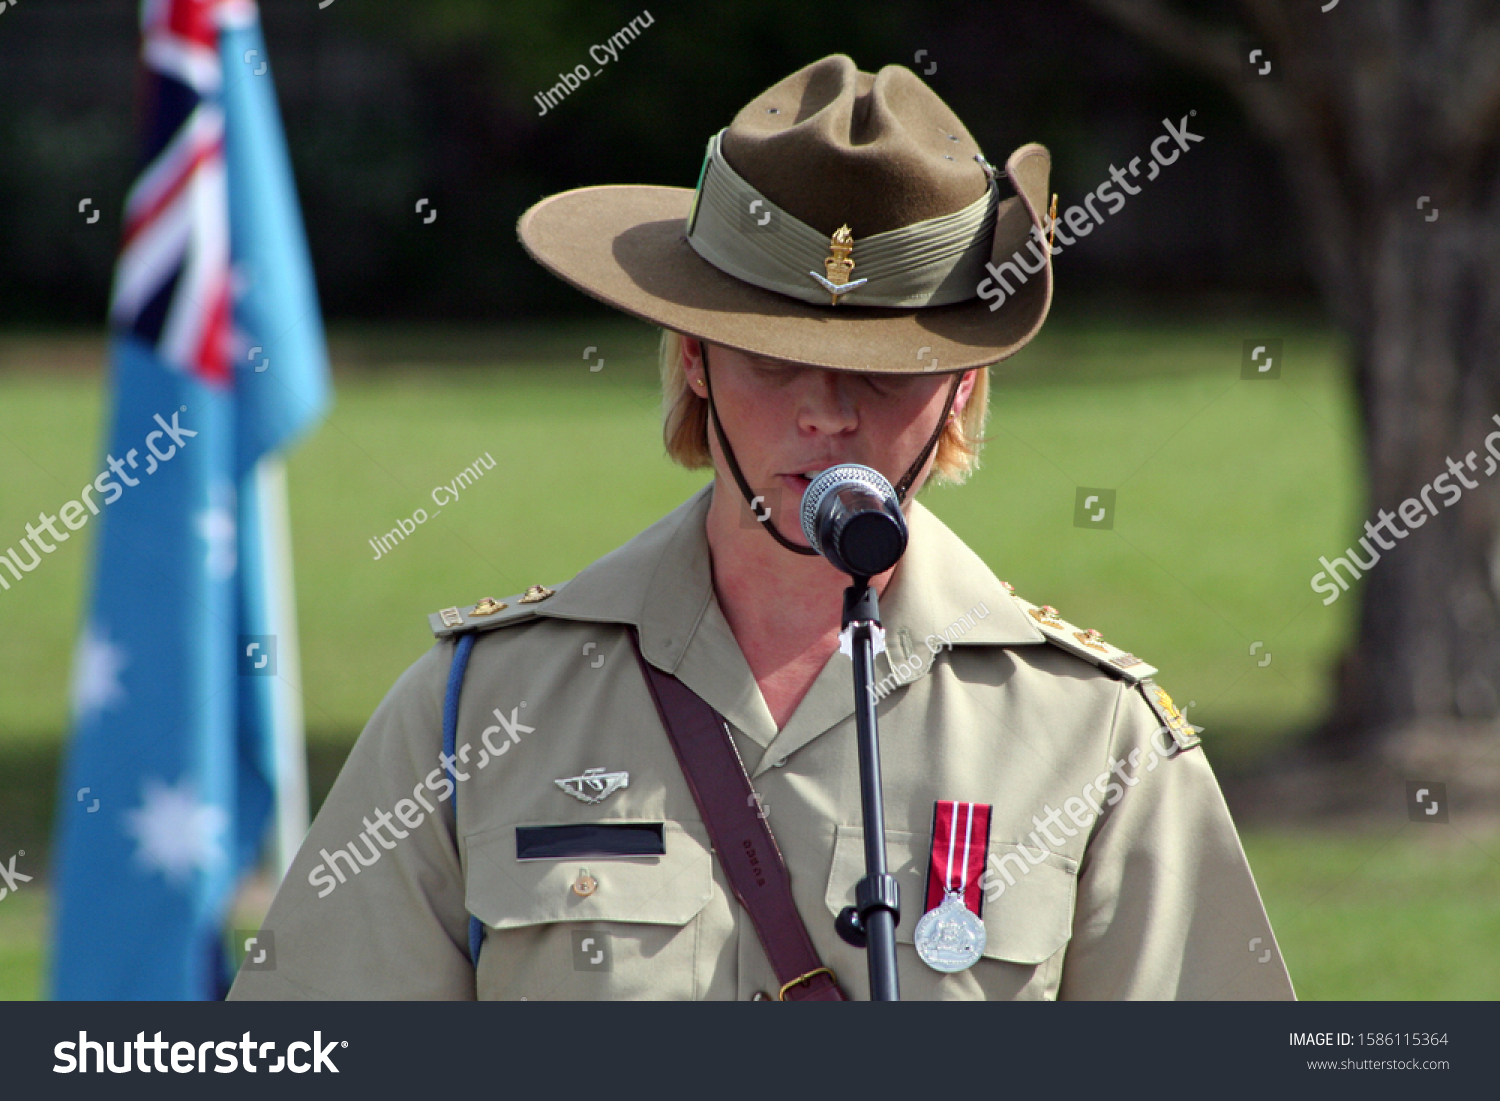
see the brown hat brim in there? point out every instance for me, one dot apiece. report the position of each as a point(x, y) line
point(627, 246)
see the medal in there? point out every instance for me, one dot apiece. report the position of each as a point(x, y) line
point(950, 936)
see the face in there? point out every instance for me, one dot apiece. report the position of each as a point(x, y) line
point(786, 421)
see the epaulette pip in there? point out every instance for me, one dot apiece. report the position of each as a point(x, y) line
point(1091, 647)
point(1086, 644)
point(489, 613)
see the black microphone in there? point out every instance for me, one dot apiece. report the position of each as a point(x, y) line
point(850, 517)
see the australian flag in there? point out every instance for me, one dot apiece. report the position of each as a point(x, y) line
point(186, 708)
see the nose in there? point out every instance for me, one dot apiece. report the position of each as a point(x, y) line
point(825, 403)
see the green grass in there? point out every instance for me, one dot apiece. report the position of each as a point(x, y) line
point(1411, 912)
point(22, 934)
point(1227, 493)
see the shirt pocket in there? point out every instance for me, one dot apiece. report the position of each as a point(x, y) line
point(1028, 916)
point(628, 934)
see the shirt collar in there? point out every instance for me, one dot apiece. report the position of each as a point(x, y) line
point(661, 582)
point(943, 593)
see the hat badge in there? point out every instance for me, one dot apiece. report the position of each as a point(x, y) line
point(838, 265)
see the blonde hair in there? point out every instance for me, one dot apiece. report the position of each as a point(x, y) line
point(685, 421)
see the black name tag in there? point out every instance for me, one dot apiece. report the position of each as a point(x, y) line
point(590, 839)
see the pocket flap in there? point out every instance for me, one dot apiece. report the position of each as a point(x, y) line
point(507, 893)
point(1027, 922)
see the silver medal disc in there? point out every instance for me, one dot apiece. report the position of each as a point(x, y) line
point(950, 937)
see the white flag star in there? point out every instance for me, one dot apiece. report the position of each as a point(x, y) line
point(216, 525)
point(176, 834)
point(96, 673)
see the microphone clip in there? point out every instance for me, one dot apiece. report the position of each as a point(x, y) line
point(846, 638)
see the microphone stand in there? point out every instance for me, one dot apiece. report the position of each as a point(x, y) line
point(871, 922)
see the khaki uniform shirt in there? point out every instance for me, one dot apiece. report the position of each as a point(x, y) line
point(1149, 898)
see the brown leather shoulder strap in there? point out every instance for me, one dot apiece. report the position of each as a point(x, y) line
point(746, 850)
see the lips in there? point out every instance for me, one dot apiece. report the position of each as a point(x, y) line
point(799, 482)
point(808, 473)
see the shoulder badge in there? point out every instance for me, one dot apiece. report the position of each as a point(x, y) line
point(1173, 720)
point(1087, 644)
point(489, 613)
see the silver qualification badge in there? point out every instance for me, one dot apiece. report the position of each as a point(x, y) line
point(950, 937)
point(595, 785)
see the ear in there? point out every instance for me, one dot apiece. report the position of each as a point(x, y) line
point(965, 389)
point(692, 365)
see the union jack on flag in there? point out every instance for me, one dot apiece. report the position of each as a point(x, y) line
point(171, 284)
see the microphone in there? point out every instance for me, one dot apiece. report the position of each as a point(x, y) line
point(850, 517)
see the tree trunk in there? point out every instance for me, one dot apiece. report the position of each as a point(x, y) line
point(1379, 103)
point(1426, 356)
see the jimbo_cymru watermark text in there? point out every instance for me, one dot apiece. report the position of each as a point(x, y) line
point(382, 545)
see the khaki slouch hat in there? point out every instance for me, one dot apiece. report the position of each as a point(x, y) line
point(843, 219)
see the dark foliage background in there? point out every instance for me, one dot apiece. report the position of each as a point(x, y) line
point(385, 104)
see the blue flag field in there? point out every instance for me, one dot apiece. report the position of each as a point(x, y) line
point(185, 745)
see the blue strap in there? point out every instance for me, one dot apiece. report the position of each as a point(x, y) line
point(450, 702)
point(450, 744)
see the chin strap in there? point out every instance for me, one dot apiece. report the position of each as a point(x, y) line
point(739, 477)
point(734, 467)
point(916, 468)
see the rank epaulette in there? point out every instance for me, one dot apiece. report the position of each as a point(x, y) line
point(1184, 733)
point(489, 613)
point(1090, 646)
point(1086, 644)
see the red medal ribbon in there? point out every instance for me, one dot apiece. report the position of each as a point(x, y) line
point(960, 843)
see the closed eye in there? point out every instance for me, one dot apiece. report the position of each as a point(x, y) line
point(779, 374)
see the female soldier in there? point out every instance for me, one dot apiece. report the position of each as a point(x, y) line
point(825, 301)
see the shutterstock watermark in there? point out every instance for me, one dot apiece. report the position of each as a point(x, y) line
point(254, 949)
point(602, 53)
point(193, 1057)
point(73, 514)
point(12, 878)
point(1082, 220)
point(442, 781)
point(1413, 512)
point(1082, 810)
